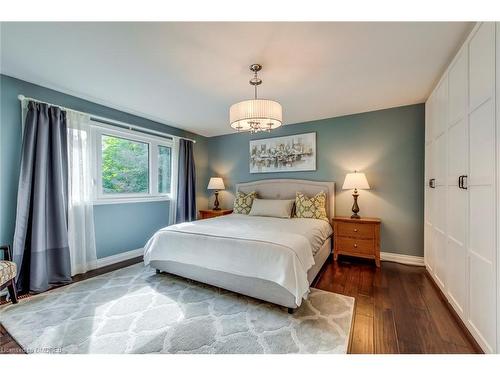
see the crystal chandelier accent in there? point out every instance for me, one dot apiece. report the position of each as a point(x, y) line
point(256, 115)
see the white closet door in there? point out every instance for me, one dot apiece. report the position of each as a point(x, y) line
point(428, 118)
point(438, 211)
point(440, 110)
point(429, 192)
point(481, 187)
point(440, 123)
point(497, 101)
point(430, 217)
point(456, 246)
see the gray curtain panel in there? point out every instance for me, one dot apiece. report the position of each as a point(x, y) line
point(41, 248)
point(186, 186)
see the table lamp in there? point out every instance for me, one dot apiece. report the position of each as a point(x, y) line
point(355, 181)
point(216, 184)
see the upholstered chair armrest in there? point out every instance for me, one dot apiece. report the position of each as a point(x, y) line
point(6, 252)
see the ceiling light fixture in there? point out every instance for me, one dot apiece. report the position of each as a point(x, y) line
point(256, 115)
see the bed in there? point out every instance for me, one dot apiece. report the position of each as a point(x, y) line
point(267, 258)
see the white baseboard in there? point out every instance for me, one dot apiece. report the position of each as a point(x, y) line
point(403, 259)
point(102, 262)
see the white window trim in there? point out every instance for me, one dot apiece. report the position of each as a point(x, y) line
point(100, 129)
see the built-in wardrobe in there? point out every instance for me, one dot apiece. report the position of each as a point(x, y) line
point(462, 169)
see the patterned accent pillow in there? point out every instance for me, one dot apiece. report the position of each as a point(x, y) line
point(243, 202)
point(311, 208)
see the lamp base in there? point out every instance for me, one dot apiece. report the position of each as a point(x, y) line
point(216, 202)
point(355, 207)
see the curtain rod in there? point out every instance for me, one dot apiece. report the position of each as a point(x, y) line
point(108, 120)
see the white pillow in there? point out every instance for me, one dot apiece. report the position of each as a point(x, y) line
point(272, 207)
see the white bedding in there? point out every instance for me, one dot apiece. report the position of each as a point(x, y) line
point(273, 249)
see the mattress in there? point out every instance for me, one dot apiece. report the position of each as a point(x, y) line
point(271, 249)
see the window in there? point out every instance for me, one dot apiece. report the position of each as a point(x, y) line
point(131, 166)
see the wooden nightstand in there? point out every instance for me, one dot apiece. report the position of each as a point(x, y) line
point(207, 214)
point(357, 237)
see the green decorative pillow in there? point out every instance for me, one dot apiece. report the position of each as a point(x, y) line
point(311, 208)
point(243, 202)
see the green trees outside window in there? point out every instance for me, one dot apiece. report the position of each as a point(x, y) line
point(125, 166)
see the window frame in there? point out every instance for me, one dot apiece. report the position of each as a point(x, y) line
point(98, 130)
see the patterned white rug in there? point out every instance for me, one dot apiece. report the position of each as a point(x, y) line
point(134, 310)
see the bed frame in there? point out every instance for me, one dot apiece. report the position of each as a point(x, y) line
point(253, 287)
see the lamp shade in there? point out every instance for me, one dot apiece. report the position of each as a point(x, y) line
point(216, 183)
point(255, 115)
point(355, 180)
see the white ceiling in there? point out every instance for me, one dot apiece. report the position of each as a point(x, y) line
point(188, 74)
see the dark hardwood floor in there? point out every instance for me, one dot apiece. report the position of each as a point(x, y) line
point(398, 309)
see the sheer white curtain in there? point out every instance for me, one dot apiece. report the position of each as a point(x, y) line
point(80, 209)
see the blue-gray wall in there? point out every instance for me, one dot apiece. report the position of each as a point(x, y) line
point(127, 226)
point(120, 227)
point(387, 145)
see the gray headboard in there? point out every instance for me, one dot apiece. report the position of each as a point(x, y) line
point(286, 189)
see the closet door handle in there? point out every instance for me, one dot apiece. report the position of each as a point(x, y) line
point(432, 183)
point(463, 186)
point(460, 182)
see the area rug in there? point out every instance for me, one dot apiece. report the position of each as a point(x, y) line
point(134, 310)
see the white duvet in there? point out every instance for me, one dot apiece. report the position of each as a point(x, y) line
point(273, 249)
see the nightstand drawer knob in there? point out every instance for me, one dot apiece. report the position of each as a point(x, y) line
point(355, 229)
point(355, 245)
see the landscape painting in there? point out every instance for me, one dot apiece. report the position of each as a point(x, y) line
point(291, 153)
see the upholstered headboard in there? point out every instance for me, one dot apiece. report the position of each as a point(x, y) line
point(286, 189)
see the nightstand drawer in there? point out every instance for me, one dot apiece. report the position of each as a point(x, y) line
point(355, 245)
point(208, 214)
point(355, 230)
